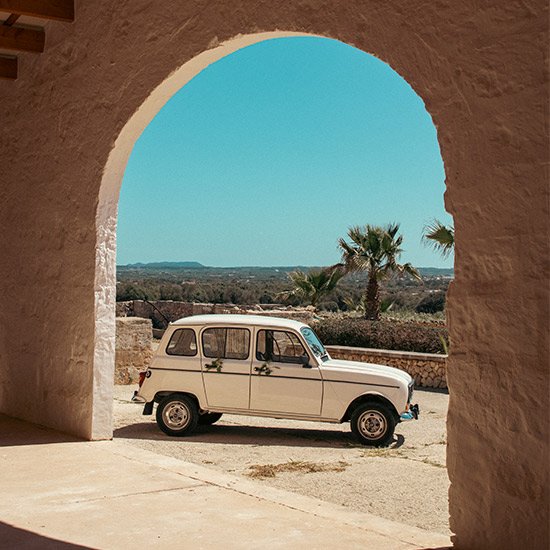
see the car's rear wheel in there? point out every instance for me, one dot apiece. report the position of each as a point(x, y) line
point(177, 415)
point(373, 424)
point(207, 419)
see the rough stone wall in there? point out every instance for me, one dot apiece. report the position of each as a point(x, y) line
point(71, 118)
point(162, 312)
point(428, 369)
point(133, 351)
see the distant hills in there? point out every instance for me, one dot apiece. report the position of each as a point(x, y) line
point(152, 266)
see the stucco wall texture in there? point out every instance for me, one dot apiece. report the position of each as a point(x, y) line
point(480, 68)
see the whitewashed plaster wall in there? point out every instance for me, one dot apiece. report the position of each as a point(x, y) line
point(69, 121)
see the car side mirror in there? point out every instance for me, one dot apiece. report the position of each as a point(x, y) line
point(304, 360)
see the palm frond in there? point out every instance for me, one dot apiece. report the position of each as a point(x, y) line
point(392, 229)
point(372, 248)
point(315, 284)
point(409, 270)
point(441, 237)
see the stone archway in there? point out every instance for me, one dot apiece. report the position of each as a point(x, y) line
point(481, 73)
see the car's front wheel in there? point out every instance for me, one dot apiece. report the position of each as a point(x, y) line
point(207, 419)
point(373, 424)
point(177, 415)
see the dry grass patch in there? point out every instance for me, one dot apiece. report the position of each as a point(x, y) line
point(271, 470)
point(433, 463)
point(382, 452)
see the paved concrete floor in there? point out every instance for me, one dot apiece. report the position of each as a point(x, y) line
point(58, 492)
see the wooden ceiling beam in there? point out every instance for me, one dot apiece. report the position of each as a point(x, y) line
point(8, 67)
point(59, 10)
point(20, 39)
point(11, 19)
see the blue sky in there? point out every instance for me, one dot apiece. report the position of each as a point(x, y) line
point(269, 155)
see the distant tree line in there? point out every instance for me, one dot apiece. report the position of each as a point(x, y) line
point(404, 294)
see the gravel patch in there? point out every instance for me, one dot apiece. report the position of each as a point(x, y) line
point(271, 470)
point(405, 482)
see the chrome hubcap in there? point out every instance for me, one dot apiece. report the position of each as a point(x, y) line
point(372, 424)
point(176, 415)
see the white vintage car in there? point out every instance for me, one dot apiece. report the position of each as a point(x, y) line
point(207, 365)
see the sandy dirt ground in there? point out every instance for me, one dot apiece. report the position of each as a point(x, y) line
point(406, 482)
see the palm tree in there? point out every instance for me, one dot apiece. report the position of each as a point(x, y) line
point(375, 250)
point(314, 285)
point(441, 237)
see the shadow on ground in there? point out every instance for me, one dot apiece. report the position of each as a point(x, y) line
point(15, 432)
point(250, 435)
point(15, 538)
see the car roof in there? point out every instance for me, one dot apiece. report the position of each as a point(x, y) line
point(234, 319)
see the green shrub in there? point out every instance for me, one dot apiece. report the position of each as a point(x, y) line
point(383, 334)
point(432, 303)
point(328, 306)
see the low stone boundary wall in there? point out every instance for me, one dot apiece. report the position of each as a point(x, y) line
point(133, 351)
point(161, 312)
point(429, 370)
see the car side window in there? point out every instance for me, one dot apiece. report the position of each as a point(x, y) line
point(279, 346)
point(182, 342)
point(226, 343)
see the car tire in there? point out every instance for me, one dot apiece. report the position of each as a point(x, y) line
point(177, 415)
point(208, 419)
point(373, 424)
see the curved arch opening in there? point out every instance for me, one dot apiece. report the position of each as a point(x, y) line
point(107, 211)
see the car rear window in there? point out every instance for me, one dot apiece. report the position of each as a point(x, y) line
point(182, 342)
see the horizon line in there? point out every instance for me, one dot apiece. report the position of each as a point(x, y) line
point(200, 265)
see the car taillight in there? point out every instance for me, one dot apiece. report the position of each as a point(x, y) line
point(142, 376)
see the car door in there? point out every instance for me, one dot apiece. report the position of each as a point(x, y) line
point(226, 362)
point(280, 383)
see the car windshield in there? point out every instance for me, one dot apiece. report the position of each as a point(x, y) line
point(314, 343)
